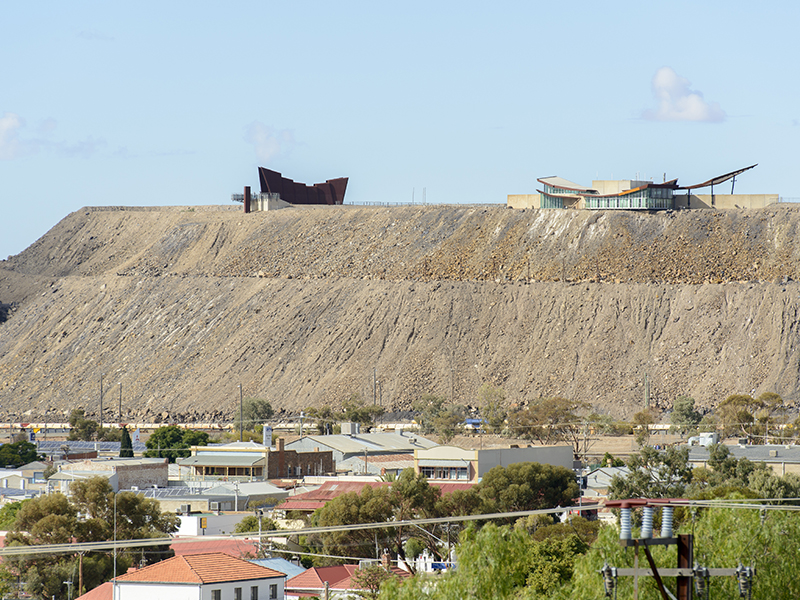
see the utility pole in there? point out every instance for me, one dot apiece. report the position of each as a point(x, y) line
point(120, 401)
point(241, 420)
point(101, 401)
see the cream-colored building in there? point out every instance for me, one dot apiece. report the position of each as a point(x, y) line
point(451, 463)
point(630, 194)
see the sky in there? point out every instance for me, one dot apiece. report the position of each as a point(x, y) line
point(177, 103)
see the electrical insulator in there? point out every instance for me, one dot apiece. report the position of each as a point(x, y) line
point(625, 524)
point(647, 523)
point(666, 522)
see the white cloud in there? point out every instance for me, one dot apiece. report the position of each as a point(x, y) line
point(10, 146)
point(267, 141)
point(14, 143)
point(677, 102)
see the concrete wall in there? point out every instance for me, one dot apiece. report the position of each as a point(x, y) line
point(143, 476)
point(725, 200)
point(615, 186)
point(524, 201)
point(221, 524)
point(259, 203)
point(560, 456)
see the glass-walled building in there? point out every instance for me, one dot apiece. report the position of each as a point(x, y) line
point(607, 195)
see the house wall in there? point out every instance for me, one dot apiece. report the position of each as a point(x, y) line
point(300, 464)
point(561, 456)
point(725, 200)
point(143, 476)
point(221, 524)
point(157, 591)
point(162, 591)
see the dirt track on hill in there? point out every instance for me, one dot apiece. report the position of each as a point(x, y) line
point(303, 306)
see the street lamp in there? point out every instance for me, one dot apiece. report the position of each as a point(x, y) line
point(69, 589)
point(260, 515)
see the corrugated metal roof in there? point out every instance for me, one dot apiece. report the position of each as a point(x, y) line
point(205, 460)
point(375, 442)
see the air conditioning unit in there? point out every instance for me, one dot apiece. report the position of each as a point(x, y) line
point(134, 488)
point(186, 509)
point(214, 506)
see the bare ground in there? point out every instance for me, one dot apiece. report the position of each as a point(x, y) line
point(305, 306)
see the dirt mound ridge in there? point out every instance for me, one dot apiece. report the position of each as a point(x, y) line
point(182, 304)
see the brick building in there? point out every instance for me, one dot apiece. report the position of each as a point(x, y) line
point(250, 461)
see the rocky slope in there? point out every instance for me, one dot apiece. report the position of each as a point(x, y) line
point(305, 306)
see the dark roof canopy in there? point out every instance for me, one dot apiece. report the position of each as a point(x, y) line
point(717, 180)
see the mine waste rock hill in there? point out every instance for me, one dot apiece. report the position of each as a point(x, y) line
point(304, 306)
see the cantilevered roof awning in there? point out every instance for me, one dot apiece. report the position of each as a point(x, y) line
point(717, 180)
point(560, 182)
point(222, 461)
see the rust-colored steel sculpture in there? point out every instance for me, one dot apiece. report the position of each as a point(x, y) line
point(330, 192)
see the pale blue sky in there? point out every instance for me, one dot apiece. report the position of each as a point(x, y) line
point(158, 103)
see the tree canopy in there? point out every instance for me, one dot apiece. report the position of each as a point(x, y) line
point(553, 420)
point(172, 442)
point(255, 413)
point(87, 516)
point(18, 454)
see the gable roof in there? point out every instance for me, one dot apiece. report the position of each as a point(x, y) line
point(310, 501)
point(214, 567)
point(338, 577)
point(393, 443)
point(101, 592)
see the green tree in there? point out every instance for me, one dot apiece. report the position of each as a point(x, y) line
point(172, 442)
point(526, 486)
point(491, 401)
point(8, 514)
point(369, 579)
point(126, 444)
point(722, 538)
point(255, 413)
point(737, 413)
point(553, 420)
point(435, 417)
point(250, 525)
point(684, 418)
point(372, 505)
point(81, 428)
point(641, 423)
point(18, 454)
point(87, 516)
point(355, 410)
point(654, 474)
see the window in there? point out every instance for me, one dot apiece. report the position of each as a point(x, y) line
point(273, 591)
point(254, 592)
point(237, 593)
point(216, 594)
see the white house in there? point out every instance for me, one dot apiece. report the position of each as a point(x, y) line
point(212, 576)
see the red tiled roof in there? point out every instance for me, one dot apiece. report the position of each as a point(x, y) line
point(101, 592)
point(215, 567)
point(310, 501)
point(338, 578)
point(315, 578)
